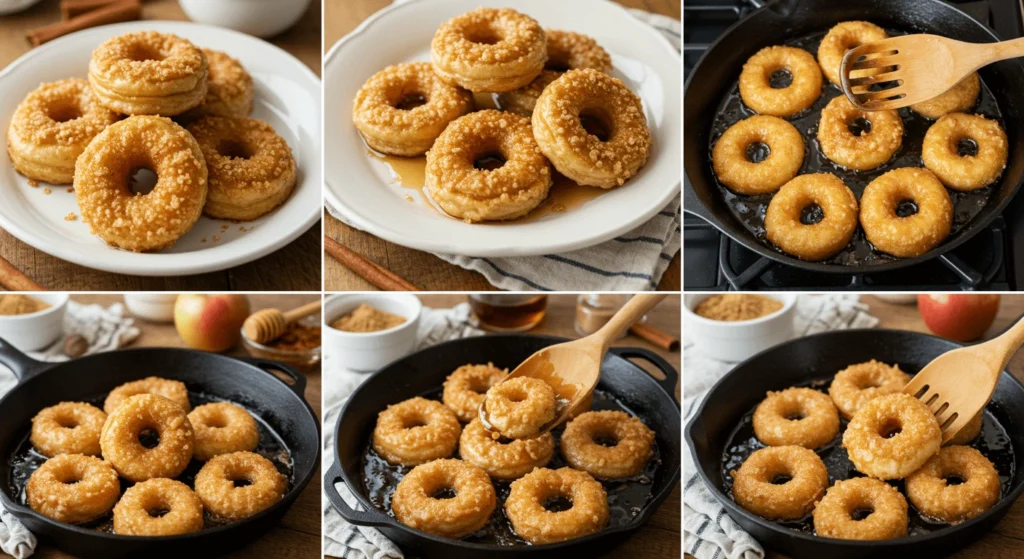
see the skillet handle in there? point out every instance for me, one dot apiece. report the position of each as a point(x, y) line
point(666, 368)
point(299, 384)
point(358, 517)
point(22, 365)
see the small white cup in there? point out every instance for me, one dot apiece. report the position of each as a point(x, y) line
point(262, 18)
point(740, 340)
point(32, 332)
point(369, 351)
point(12, 6)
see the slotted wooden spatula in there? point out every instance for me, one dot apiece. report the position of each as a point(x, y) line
point(900, 71)
point(958, 384)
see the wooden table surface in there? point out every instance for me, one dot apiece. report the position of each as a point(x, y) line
point(423, 269)
point(297, 535)
point(660, 537)
point(1006, 541)
point(301, 257)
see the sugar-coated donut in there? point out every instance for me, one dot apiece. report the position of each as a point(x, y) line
point(892, 436)
point(941, 151)
point(758, 92)
point(222, 428)
point(419, 500)
point(238, 485)
point(865, 149)
point(73, 488)
point(975, 490)
point(416, 431)
point(858, 384)
point(892, 229)
point(173, 390)
point(960, 98)
point(587, 513)
point(780, 482)
point(510, 459)
point(520, 407)
point(838, 514)
point(122, 448)
point(464, 389)
point(231, 91)
point(841, 38)
point(607, 444)
point(786, 226)
point(796, 416)
point(68, 428)
point(734, 166)
point(180, 508)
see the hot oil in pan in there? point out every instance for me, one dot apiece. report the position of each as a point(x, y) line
point(993, 442)
point(25, 460)
point(626, 498)
point(750, 210)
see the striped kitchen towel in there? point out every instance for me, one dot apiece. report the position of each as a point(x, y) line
point(634, 261)
point(105, 329)
point(708, 532)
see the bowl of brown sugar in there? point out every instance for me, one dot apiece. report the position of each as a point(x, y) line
point(734, 326)
point(369, 330)
point(32, 322)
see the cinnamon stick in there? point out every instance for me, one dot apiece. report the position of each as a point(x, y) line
point(117, 12)
point(664, 340)
point(74, 8)
point(367, 269)
point(13, 279)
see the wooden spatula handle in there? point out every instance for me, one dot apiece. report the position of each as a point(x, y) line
point(1004, 346)
point(631, 312)
point(304, 310)
point(984, 54)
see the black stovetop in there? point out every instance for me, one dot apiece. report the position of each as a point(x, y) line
point(713, 261)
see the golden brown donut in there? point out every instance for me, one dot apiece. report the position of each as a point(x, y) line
point(941, 151)
point(780, 482)
point(182, 509)
point(464, 389)
point(892, 436)
point(51, 128)
point(416, 502)
point(508, 459)
point(68, 428)
point(173, 390)
point(251, 168)
point(607, 444)
point(858, 384)
point(617, 151)
point(960, 98)
point(906, 236)
point(73, 488)
point(734, 167)
point(862, 150)
point(841, 38)
point(230, 90)
point(218, 487)
point(536, 524)
point(834, 514)
point(222, 428)
point(149, 73)
point(124, 448)
point(796, 416)
point(786, 226)
point(489, 49)
point(759, 94)
point(416, 431)
point(930, 491)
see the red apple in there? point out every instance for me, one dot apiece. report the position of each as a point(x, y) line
point(210, 322)
point(963, 318)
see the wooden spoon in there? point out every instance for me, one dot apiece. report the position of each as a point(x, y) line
point(958, 384)
point(915, 67)
point(572, 369)
point(269, 324)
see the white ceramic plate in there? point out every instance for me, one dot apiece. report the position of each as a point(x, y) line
point(287, 96)
point(364, 190)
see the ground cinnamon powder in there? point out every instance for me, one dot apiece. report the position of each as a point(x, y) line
point(735, 307)
point(12, 305)
point(367, 319)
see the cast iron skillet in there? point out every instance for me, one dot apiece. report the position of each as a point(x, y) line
point(822, 355)
point(247, 382)
point(783, 20)
point(426, 370)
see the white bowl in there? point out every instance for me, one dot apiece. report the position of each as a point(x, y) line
point(369, 351)
point(737, 341)
point(11, 6)
point(262, 18)
point(154, 307)
point(32, 332)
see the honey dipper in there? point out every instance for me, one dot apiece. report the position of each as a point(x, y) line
point(267, 325)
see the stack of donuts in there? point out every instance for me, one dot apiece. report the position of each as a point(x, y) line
point(455, 497)
point(96, 134)
point(904, 212)
point(561, 108)
point(145, 436)
point(890, 436)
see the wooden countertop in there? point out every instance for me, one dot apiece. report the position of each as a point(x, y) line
point(297, 535)
point(423, 269)
point(660, 537)
point(301, 257)
point(1007, 539)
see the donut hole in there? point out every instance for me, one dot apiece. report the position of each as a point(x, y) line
point(514, 394)
point(142, 180)
point(64, 113)
point(860, 513)
point(234, 149)
point(859, 126)
point(863, 383)
point(149, 438)
point(216, 422)
point(781, 78)
point(966, 147)
point(71, 478)
point(443, 493)
point(954, 479)
point(413, 422)
point(597, 123)
point(557, 503)
point(780, 479)
point(607, 440)
point(757, 152)
point(142, 53)
point(890, 428)
point(158, 512)
point(809, 215)
point(489, 161)
point(241, 482)
point(906, 208)
point(558, 64)
point(410, 101)
point(483, 35)
point(67, 422)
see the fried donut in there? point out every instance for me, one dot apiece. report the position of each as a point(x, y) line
point(149, 73)
point(238, 485)
point(132, 221)
point(621, 142)
point(464, 389)
point(566, 51)
point(520, 407)
point(489, 49)
point(892, 436)
point(970, 431)
point(960, 98)
point(68, 428)
point(416, 431)
point(780, 482)
point(607, 444)
point(222, 428)
point(402, 109)
point(52, 126)
point(871, 145)
point(906, 212)
point(733, 156)
point(504, 459)
point(759, 75)
point(251, 168)
point(957, 484)
point(789, 223)
point(230, 90)
point(840, 513)
point(446, 497)
point(73, 488)
point(173, 390)
point(477, 193)
point(961, 133)
point(138, 416)
point(858, 384)
point(796, 416)
point(587, 501)
point(841, 38)
point(158, 507)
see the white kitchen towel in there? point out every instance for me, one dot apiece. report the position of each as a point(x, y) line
point(342, 539)
point(708, 532)
point(104, 328)
point(633, 261)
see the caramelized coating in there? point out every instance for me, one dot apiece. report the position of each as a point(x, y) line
point(960, 98)
point(416, 431)
point(814, 240)
point(230, 90)
point(222, 428)
point(796, 416)
point(607, 444)
point(941, 151)
point(780, 482)
point(841, 38)
point(173, 390)
point(907, 235)
point(834, 516)
point(135, 461)
point(218, 487)
point(68, 428)
point(866, 149)
point(504, 459)
point(73, 488)
point(464, 389)
point(520, 407)
point(416, 501)
point(738, 172)
point(803, 90)
point(182, 509)
point(536, 524)
point(933, 495)
point(892, 436)
point(858, 384)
